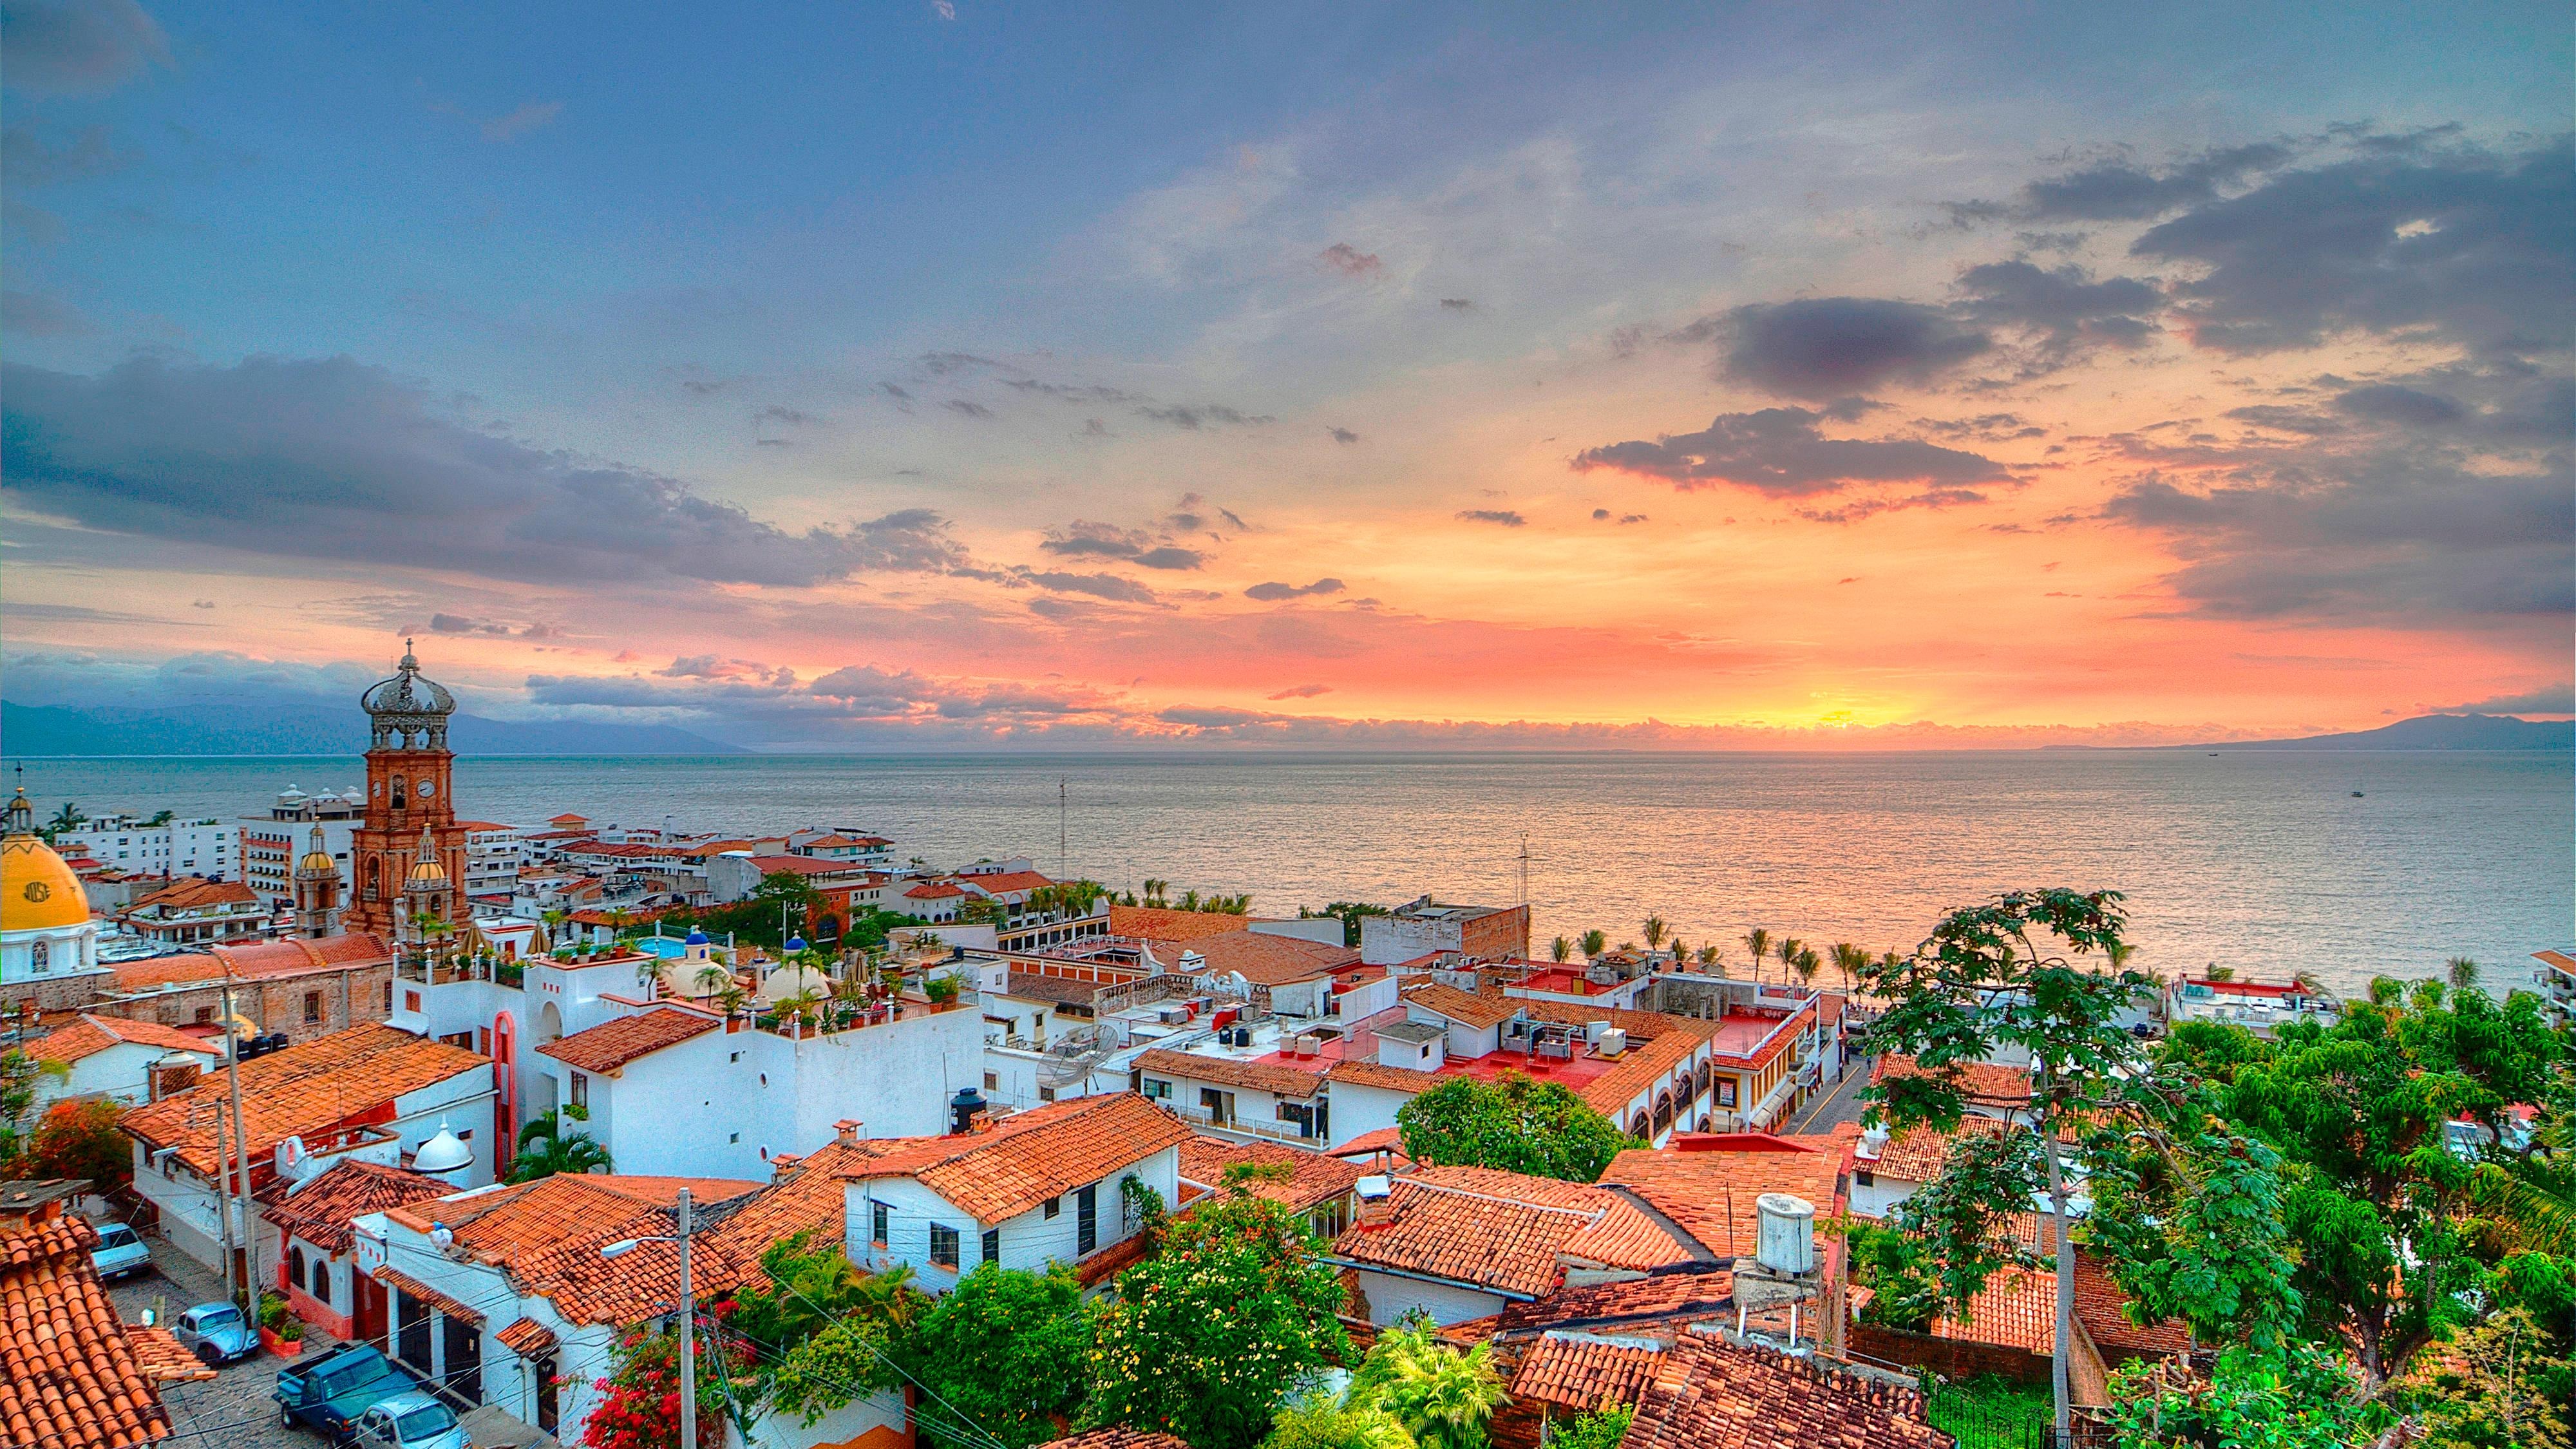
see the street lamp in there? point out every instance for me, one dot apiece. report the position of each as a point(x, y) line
point(688, 1316)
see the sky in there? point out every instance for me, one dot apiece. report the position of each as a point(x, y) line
point(955, 374)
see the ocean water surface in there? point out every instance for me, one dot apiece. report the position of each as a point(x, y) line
point(2266, 861)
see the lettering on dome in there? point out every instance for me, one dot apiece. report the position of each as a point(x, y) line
point(39, 891)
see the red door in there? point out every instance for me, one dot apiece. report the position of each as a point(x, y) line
point(370, 1317)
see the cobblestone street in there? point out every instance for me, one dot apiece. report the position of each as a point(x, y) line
point(233, 1410)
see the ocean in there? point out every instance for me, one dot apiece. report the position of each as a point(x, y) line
point(2268, 862)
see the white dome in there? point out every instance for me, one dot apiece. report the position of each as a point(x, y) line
point(792, 980)
point(442, 1153)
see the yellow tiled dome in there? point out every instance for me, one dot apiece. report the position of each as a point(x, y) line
point(37, 890)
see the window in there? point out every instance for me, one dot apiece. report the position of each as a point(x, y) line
point(295, 1266)
point(312, 1007)
point(1158, 1089)
point(943, 1246)
point(877, 1215)
point(41, 956)
point(993, 1245)
point(1726, 1091)
point(581, 1090)
point(1046, 1094)
point(389, 996)
point(992, 1081)
point(1219, 1105)
point(1865, 1177)
point(205, 1014)
point(1086, 1219)
point(1055, 1207)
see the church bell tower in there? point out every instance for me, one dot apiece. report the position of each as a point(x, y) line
point(410, 810)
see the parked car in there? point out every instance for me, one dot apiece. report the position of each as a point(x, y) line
point(411, 1421)
point(217, 1333)
point(329, 1394)
point(121, 1252)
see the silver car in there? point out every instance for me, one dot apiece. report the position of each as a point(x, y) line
point(410, 1421)
point(121, 1252)
point(216, 1333)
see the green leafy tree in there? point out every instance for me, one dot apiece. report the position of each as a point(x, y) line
point(2494, 1385)
point(2190, 1217)
point(67, 818)
point(1515, 1124)
point(1442, 1397)
point(81, 1139)
point(1891, 1266)
point(2301, 1399)
point(1208, 1335)
point(823, 1330)
point(1603, 1428)
point(782, 897)
point(20, 1075)
point(546, 1149)
point(1008, 1351)
point(1983, 982)
point(1321, 1423)
point(1350, 914)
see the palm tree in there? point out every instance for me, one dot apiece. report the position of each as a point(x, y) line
point(1711, 954)
point(1654, 932)
point(1806, 963)
point(1850, 960)
point(1786, 950)
point(1189, 900)
point(2461, 972)
point(554, 919)
point(711, 978)
point(1594, 943)
point(67, 819)
point(545, 1149)
point(1758, 941)
point(1444, 1398)
point(1559, 949)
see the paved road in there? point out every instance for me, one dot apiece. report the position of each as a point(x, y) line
point(1842, 1104)
point(234, 1411)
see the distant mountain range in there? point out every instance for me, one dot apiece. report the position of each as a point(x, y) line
point(314, 729)
point(2430, 732)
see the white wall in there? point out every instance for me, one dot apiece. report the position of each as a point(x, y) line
point(122, 1071)
point(1029, 1241)
point(1359, 1111)
point(1391, 1297)
point(1323, 930)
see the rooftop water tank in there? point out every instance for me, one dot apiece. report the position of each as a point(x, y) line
point(1786, 1238)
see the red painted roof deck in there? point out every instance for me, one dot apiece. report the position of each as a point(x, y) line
point(1740, 1034)
point(1560, 980)
point(1575, 1075)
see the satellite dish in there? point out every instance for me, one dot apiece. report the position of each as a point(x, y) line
point(442, 1154)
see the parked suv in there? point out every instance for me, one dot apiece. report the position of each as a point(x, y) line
point(121, 1252)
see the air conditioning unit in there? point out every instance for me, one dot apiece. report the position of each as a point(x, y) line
point(1559, 1050)
point(1309, 1044)
point(1611, 1041)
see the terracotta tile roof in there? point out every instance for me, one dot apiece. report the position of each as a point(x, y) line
point(414, 1288)
point(1983, 1083)
point(1383, 1139)
point(612, 1044)
point(1262, 960)
point(1659, 1298)
point(163, 1358)
point(2016, 1309)
point(2099, 1303)
point(69, 1377)
point(1118, 1438)
point(193, 893)
point(1500, 1231)
point(319, 1209)
point(1040, 986)
point(503, 1224)
point(1372, 1074)
point(937, 890)
point(1290, 1082)
point(1919, 1154)
point(90, 1035)
point(1005, 882)
point(303, 1091)
point(528, 1338)
point(1157, 924)
point(267, 959)
point(1457, 1005)
point(1029, 1157)
point(1640, 1068)
point(1711, 1195)
point(547, 1235)
point(1314, 1180)
point(1582, 1372)
point(1709, 1394)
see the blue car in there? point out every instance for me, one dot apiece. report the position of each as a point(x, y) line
point(217, 1333)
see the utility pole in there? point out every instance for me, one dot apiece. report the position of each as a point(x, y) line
point(688, 1336)
point(1063, 857)
point(241, 1147)
point(1524, 870)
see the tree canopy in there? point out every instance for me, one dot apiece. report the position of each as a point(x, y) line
point(1515, 1124)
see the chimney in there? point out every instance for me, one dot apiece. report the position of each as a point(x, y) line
point(846, 1131)
point(781, 1164)
point(1377, 1201)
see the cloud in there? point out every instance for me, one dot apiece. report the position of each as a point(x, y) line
point(2121, 190)
point(2470, 247)
point(1194, 416)
point(2551, 699)
point(1343, 435)
point(1169, 557)
point(965, 409)
point(2404, 406)
point(2391, 535)
point(32, 314)
point(1349, 260)
point(332, 459)
point(1779, 451)
point(1098, 586)
point(531, 116)
point(27, 158)
point(1271, 593)
point(1508, 518)
point(1829, 347)
point(716, 666)
point(1458, 304)
point(1082, 538)
point(2067, 310)
point(59, 47)
point(1303, 691)
point(774, 413)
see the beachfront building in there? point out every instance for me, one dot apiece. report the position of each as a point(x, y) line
point(196, 913)
point(113, 1059)
point(2261, 1007)
point(150, 846)
point(272, 845)
point(1424, 927)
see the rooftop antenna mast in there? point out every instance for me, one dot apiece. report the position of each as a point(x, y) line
point(1063, 857)
point(1524, 870)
